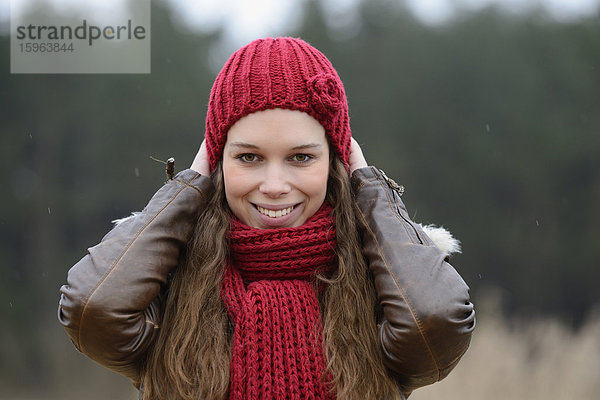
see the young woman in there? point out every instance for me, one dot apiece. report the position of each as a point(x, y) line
point(279, 266)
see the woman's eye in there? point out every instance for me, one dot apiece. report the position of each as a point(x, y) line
point(248, 157)
point(301, 157)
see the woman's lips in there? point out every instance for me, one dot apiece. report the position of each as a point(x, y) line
point(274, 213)
point(277, 216)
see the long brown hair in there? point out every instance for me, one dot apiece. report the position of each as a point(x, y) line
point(191, 357)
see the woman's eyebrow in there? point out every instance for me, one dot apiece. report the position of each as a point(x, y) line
point(243, 145)
point(307, 146)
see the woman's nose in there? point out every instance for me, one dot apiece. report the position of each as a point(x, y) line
point(275, 182)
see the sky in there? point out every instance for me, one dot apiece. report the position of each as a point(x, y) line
point(245, 19)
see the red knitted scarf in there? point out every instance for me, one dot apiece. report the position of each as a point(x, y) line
point(269, 292)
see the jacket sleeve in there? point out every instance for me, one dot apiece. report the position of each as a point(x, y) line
point(428, 318)
point(110, 305)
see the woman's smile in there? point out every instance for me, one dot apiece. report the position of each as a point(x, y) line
point(272, 213)
point(276, 217)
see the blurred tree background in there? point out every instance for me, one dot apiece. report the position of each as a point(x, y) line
point(491, 122)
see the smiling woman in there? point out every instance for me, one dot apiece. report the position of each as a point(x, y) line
point(280, 265)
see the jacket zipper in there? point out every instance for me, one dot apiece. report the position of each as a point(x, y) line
point(398, 190)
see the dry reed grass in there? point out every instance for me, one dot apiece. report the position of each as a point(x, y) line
point(530, 360)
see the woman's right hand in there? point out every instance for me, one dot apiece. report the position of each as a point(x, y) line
point(200, 163)
point(356, 159)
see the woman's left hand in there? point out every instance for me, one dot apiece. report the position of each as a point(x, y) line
point(357, 159)
point(200, 163)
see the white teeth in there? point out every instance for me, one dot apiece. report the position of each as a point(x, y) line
point(275, 214)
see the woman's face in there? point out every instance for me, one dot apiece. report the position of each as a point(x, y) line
point(275, 167)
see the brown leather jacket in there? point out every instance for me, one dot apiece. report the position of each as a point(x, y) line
point(110, 306)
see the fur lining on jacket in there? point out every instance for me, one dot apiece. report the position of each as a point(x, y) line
point(119, 221)
point(442, 238)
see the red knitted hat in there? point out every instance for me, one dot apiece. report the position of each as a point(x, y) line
point(277, 73)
